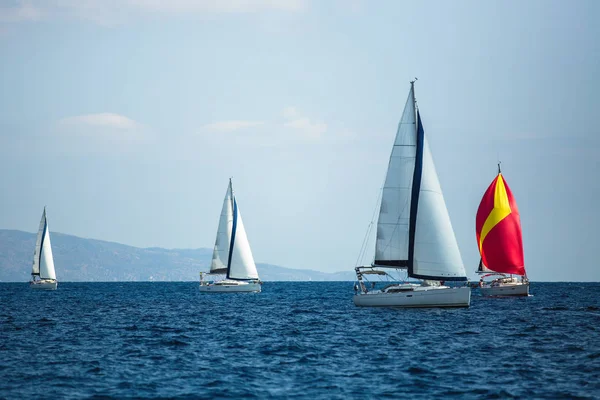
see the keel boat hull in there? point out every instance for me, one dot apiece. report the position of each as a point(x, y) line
point(422, 297)
point(45, 284)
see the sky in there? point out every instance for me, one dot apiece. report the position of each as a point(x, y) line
point(126, 118)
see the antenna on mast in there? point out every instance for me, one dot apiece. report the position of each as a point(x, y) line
point(499, 170)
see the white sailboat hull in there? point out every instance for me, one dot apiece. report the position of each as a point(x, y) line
point(44, 284)
point(421, 297)
point(233, 287)
point(510, 289)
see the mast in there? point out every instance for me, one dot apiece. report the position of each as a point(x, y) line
point(416, 185)
point(414, 99)
point(233, 228)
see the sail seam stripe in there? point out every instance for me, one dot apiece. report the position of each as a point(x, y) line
point(233, 229)
point(42, 246)
point(414, 201)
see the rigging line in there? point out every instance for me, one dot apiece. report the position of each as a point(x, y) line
point(365, 242)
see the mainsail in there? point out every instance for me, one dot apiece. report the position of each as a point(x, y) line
point(498, 229)
point(43, 262)
point(414, 229)
point(221, 250)
point(232, 254)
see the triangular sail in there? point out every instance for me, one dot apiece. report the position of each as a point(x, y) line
point(241, 263)
point(436, 253)
point(218, 264)
point(391, 248)
point(414, 229)
point(482, 269)
point(498, 229)
point(232, 255)
point(43, 262)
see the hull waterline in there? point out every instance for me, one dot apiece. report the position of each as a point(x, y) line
point(44, 285)
point(518, 289)
point(237, 288)
point(418, 298)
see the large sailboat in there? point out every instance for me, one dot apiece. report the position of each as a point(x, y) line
point(414, 233)
point(232, 256)
point(43, 275)
point(500, 242)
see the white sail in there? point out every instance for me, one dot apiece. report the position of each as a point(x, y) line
point(221, 250)
point(43, 262)
point(236, 262)
point(241, 264)
point(35, 269)
point(394, 214)
point(416, 236)
point(436, 252)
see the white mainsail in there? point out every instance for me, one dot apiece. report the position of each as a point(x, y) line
point(221, 250)
point(394, 214)
point(232, 253)
point(414, 229)
point(43, 262)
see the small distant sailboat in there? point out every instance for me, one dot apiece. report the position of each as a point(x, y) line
point(500, 242)
point(43, 275)
point(414, 232)
point(232, 256)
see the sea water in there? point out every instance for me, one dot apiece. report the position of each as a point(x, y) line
point(303, 340)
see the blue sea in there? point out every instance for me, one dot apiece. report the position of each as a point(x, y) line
point(301, 340)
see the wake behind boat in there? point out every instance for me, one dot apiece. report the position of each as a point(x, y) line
point(43, 275)
point(414, 232)
point(232, 256)
point(500, 242)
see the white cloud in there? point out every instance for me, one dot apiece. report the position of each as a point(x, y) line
point(229, 126)
point(293, 127)
point(217, 6)
point(302, 124)
point(108, 12)
point(290, 112)
point(106, 120)
point(22, 11)
point(307, 128)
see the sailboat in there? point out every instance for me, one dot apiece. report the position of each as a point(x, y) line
point(43, 275)
point(232, 256)
point(414, 233)
point(500, 242)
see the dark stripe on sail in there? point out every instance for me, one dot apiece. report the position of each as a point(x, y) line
point(42, 246)
point(391, 263)
point(480, 269)
point(414, 199)
point(439, 278)
point(233, 229)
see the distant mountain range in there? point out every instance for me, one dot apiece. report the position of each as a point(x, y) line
point(89, 260)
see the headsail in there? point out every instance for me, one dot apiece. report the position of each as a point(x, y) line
point(43, 261)
point(436, 253)
point(498, 229)
point(241, 263)
point(414, 229)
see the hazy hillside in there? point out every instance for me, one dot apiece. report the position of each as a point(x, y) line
point(79, 259)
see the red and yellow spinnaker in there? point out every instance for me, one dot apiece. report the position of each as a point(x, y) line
point(498, 228)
